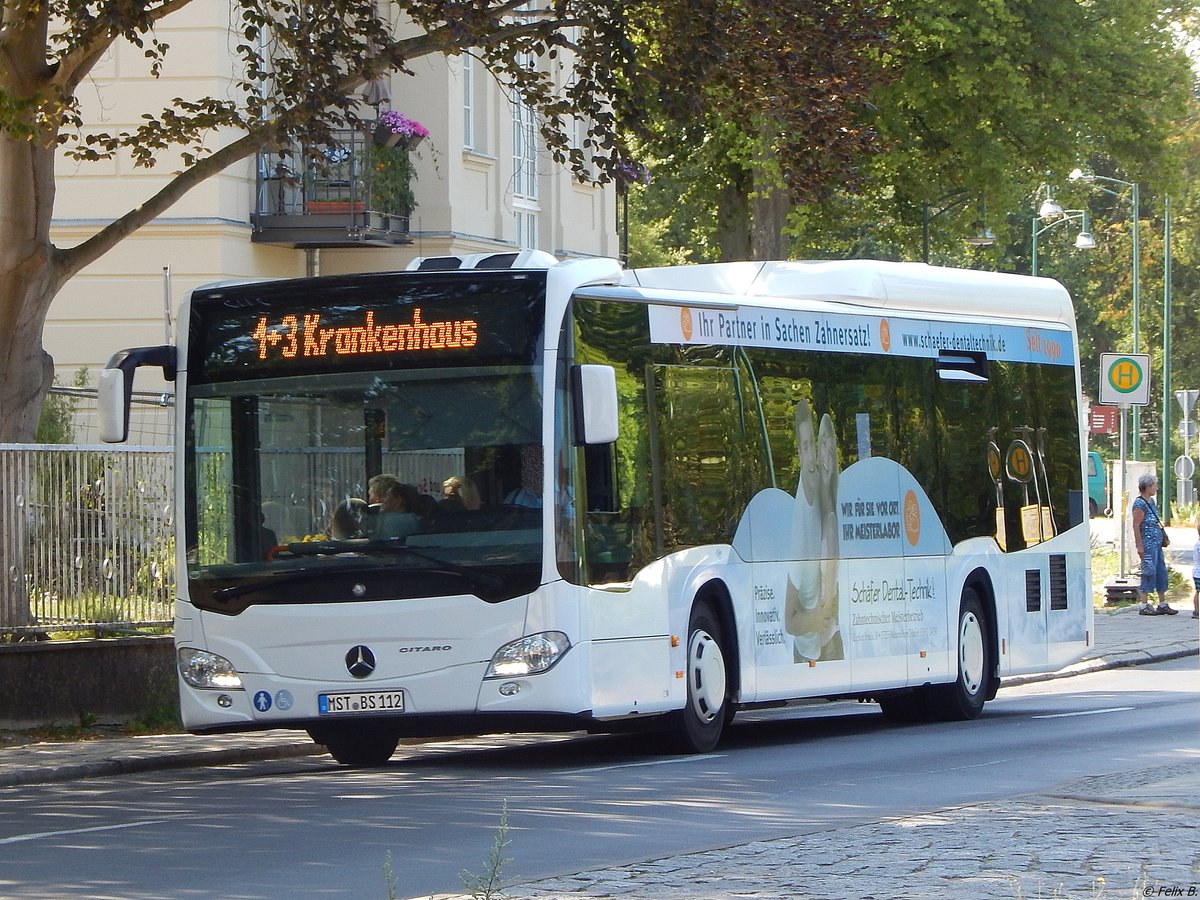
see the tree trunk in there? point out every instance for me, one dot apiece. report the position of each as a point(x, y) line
point(770, 215)
point(28, 283)
point(751, 227)
point(733, 219)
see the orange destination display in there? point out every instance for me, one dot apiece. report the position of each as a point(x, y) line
point(277, 329)
point(294, 336)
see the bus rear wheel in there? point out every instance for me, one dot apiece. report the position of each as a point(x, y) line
point(964, 697)
point(361, 746)
point(697, 728)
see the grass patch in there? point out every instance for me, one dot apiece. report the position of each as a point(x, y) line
point(1106, 565)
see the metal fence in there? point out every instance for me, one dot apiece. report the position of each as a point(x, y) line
point(86, 538)
point(151, 416)
point(87, 532)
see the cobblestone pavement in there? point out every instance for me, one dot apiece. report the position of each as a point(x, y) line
point(1115, 836)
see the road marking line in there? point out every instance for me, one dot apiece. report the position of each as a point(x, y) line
point(638, 765)
point(1086, 712)
point(16, 839)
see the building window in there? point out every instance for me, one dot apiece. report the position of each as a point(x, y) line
point(525, 172)
point(468, 101)
point(525, 182)
point(527, 229)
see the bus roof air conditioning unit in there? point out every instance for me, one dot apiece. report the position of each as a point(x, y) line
point(434, 264)
point(516, 259)
point(521, 259)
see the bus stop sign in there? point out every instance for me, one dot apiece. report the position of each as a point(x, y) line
point(1125, 378)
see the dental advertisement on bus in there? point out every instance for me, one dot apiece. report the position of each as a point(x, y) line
point(849, 563)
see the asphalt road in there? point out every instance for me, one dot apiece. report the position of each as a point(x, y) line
point(307, 828)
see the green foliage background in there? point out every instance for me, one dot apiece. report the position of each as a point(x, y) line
point(57, 422)
point(977, 107)
point(392, 174)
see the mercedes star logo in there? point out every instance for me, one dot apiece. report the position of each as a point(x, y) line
point(360, 661)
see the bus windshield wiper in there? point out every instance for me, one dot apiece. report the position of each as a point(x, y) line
point(485, 582)
point(488, 581)
point(225, 594)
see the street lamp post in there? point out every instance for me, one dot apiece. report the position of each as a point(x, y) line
point(1091, 178)
point(1167, 471)
point(1083, 240)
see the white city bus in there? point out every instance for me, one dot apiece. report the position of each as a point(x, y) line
point(681, 492)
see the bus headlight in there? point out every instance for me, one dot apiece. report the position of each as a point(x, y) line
point(202, 669)
point(528, 656)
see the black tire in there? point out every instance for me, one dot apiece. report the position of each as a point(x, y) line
point(1093, 508)
point(697, 728)
point(361, 747)
point(964, 697)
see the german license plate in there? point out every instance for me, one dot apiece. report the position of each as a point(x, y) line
point(373, 701)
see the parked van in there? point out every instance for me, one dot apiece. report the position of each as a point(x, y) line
point(1097, 483)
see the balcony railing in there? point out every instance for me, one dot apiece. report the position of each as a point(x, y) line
point(344, 201)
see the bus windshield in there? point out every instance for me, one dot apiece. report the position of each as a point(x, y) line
point(421, 477)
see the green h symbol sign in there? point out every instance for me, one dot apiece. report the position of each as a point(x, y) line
point(1125, 375)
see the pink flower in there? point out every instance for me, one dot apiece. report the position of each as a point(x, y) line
point(398, 123)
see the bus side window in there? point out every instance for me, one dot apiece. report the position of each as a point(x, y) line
point(600, 466)
point(608, 533)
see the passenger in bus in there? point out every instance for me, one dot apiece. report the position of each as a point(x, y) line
point(348, 520)
point(530, 492)
point(267, 538)
point(378, 486)
point(396, 518)
point(810, 609)
point(424, 507)
point(459, 492)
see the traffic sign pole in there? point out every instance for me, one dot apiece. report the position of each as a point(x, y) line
point(1125, 381)
point(1187, 400)
point(1122, 495)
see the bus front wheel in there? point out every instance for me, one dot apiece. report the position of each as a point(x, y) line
point(361, 747)
point(964, 697)
point(698, 726)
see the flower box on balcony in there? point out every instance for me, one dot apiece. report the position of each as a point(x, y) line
point(394, 139)
point(327, 207)
point(394, 129)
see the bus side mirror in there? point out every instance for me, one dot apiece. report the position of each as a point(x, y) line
point(595, 396)
point(115, 387)
point(111, 406)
